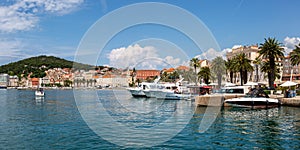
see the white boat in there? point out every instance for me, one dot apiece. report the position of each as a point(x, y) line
point(142, 89)
point(255, 99)
point(153, 90)
point(171, 95)
point(39, 93)
point(173, 92)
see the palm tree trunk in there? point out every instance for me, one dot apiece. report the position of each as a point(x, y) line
point(219, 80)
point(241, 76)
point(231, 76)
point(245, 76)
point(256, 74)
point(272, 76)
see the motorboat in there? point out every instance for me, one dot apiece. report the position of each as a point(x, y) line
point(39, 93)
point(144, 86)
point(256, 99)
point(235, 90)
point(173, 92)
point(171, 95)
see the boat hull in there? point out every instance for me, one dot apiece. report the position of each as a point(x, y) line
point(137, 92)
point(253, 103)
point(170, 95)
point(39, 94)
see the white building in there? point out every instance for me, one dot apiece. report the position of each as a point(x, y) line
point(113, 81)
point(13, 81)
point(4, 80)
point(251, 53)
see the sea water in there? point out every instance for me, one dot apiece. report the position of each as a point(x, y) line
point(57, 122)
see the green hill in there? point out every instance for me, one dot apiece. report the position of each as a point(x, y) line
point(38, 65)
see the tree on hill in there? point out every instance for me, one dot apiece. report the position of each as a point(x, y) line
point(38, 65)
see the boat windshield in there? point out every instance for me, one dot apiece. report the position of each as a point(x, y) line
point(257, 93)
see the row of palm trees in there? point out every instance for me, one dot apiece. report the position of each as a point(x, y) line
point(270, 52)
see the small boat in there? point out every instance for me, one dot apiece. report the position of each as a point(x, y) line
point(39, 93)
point(256, 99)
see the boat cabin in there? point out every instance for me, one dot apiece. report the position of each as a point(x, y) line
point(235, 90)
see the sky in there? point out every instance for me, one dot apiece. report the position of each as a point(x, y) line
point(202, 28)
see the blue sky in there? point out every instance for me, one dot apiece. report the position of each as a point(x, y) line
point(53, 27)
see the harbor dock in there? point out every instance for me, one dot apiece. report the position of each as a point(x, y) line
point(217, 100)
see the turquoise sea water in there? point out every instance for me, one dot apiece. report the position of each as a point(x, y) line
point(55, 123)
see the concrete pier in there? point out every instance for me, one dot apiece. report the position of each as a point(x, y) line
point(218, 100)
point(295, 101)
point(213, 100)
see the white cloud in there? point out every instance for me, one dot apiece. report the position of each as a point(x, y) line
point(236, 46)
point(142, 57)
point(24, 15)
point(131, 56)
point(290, 43)
point(10, 50)
point(172, 61)
point(211, 53)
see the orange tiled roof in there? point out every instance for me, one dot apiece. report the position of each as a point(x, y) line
point(170, 70)
point(183, 68)
point(35, 79)
point(95, 77)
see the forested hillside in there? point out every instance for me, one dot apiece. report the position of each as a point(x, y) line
point(38, 65)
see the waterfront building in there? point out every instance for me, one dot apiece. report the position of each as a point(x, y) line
point(144, 74)
point(289, 71)
point(113, 80)
point(4, 80)
point(44, 81)
point(168, 71)
point(251, 53)
point(35, 82)
point(183, 68)
point(13, 81)
point(204, 63)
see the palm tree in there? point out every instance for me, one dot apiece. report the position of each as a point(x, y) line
point(204, 73)
point(230, 68)
point(271, 50)
point(133, 74)
point(265, 67)
point(242, 64)
point(295, 56)
point(257, 63)
point(218, 68)
point(194, 62)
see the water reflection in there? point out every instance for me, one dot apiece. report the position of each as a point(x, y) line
point(266, 129)
point(39, 100)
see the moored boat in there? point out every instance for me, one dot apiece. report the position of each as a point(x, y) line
point(254, 100)
point(39, 93)
point(143, 88)
point(139, 91)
